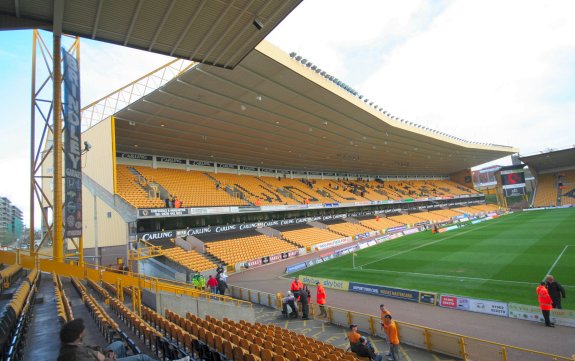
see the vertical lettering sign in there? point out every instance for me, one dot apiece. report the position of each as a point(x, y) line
point(72, 148)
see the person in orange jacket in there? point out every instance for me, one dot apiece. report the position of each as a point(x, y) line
point(392, 337)
point(545, 303)
point(321, 299)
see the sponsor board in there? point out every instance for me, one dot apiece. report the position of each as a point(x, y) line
point(296, 267)
point(459, 303)
point(410, 231)
point(447, 229)
point(314, 261)
point(429, 298)
point(127, 155)
point(171, 160)
point(533, 313)
point(327, 283)
point(397, 293)
point(474, 305)
point(396, 229)
point(335, 242)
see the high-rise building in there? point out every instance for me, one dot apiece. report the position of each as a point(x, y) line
point(11, 222)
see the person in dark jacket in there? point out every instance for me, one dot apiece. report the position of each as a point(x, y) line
point(363, 349)
point(73, 349)
point(556, 291)
point(304, 299)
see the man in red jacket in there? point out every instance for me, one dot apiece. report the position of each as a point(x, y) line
point(321, 299)
point(545, 303)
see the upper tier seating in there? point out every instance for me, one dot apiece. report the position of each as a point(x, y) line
point(235, 250)
point(197, 189)
point(130, 189)
point(300, 190)
point(194, 189)
point(190, 259)
point(253, 189)
point(348, 229)
point(308, 237)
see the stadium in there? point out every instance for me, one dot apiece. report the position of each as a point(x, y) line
point(238, 155)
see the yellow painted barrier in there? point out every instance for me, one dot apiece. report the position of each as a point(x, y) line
point(433, 340)
point(7, 257)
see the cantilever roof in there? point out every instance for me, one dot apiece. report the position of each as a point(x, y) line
point(552, 161)
point(215, 32)
point(271, 111)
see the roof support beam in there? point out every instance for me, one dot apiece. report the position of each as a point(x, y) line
point(58, 17)
point(97, 19)
point(188, 27)
point(133, 22)
point(162, 23)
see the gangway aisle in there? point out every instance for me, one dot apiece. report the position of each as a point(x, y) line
point(42, 338)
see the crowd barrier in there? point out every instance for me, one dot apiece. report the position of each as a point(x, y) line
point(430, 339)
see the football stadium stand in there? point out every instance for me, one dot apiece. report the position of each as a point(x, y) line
point(192, 259)
point(430, 216)
point(131, 188)
point(253, 189)
point(407, 219)
point(194, 189)
point(379, 223)
point(568, 188)
point(348, 229)
point(308, 237)
point(235, 250)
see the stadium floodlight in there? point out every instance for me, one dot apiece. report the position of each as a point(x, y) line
point(309, 64)
point(298, 58)
point(318, 70)
point(361, 96)
point(292, 54)
point(322, 73)
point(313, 67)
point(304, 61)
point(331, 77)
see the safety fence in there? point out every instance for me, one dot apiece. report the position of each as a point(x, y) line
point(112, 276)
point(430, 339)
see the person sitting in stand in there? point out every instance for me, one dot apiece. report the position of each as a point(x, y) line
point(363, 349)
point(73, 349)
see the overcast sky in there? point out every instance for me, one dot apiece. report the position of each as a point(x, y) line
point(490, 71)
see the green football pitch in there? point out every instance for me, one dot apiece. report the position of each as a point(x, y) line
point(502, 259)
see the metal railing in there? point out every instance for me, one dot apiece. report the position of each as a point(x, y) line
point(430, 339)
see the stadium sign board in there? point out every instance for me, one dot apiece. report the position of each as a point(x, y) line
point(391, 292)
point(533, 313)
point(474, 305)
point(72, 148)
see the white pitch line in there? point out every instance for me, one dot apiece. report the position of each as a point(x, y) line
point(555, 263)
point(431, 275)
point(423, 245)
